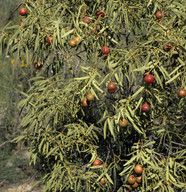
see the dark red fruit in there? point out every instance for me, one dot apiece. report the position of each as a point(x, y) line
point(138, 169)
point(20, 23)
point(84, 102)
point(131, 179)
point(22, 11)
point(149, 78)
point(96, 162)
point(145, 107)
point(100, 14)
point(111, 87)
point(86, 20)
point(159, 15)
point(105, 50)
point(167, 47)
point(50, 40)
point(182, 92)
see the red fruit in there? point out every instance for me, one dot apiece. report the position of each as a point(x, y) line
point(167, 47)
point(139, 179)
point(111, 87)
point(102, 181)
point(123, 122)
point(159, 15)
point(135, 185)
point(50, 40)
point(86, 20)
point(90, 97)
point(138, 169)
point(181, 92)
point(149, 78)
point(145, 107)
point(131, 179)
point(20, 23)
point(105, 50)
point(22, 11)
point(100, 14)
point(84, 102)
point(96, 162)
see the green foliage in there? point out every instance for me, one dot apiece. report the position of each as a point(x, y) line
point(160, 172)
point(64, 137)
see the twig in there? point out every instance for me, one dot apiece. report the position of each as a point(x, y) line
point(178, 144)
point(2, 182)
point(5, 143)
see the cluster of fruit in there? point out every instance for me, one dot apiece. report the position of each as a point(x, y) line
point(22, 12)
point(105, 50)
point(135, 179)
point(150, 79)
point(96, 163)
point(74, 41)
point(89, 97)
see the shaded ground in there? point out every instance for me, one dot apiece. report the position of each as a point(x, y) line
point(22, 186)
point(15, 173)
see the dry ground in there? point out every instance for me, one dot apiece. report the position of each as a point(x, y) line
point(23, 186)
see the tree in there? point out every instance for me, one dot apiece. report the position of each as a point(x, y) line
point(66, 137)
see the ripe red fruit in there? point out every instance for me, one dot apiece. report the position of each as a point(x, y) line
point(50, 40)
point(86, 20)
point(181, 92)
point(84, 102)
point(22, 11)
point(149, 78)
point(138, 169)
point(135, 185)
point(111, 87)
point(131, 179)
point(123, 122)
point(139, 179)
point(90, 97)
point(167, 47)
point(100, 14)
point(105, 50)
point(159, 15)
point(96, 162)
point(145, 107)
point(102, 181)
point(72, 43)
point(20, 23)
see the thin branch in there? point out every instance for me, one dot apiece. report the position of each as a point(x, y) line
point(178, 144)
point(5, 143)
